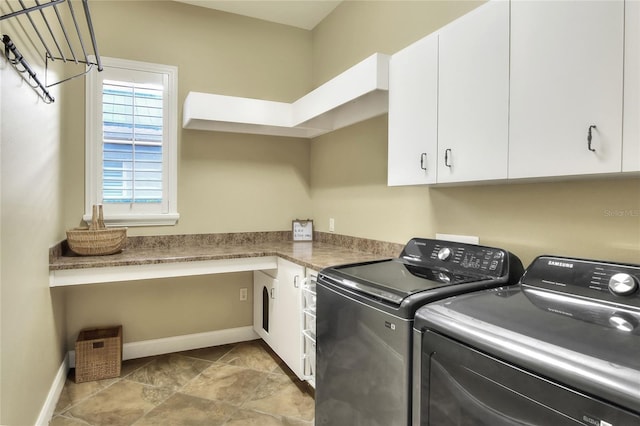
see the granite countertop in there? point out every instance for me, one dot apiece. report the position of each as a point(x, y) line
point(325, 250)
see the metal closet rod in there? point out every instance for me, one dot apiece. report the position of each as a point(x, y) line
point(10, 47)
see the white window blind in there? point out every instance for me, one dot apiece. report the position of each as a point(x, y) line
point(132, 143)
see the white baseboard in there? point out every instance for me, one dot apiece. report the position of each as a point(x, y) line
point(143, 349)
point(181, 343)
point(54, 394)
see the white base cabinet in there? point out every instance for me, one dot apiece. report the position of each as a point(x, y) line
point(287, 327)
point(277, 311)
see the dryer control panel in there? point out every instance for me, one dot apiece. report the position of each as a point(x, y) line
point(613, 282)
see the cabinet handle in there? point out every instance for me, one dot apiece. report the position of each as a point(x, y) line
point(589, 137)
point(446, 157)
point(423, 158)
point(271, 290)
point(295, 281)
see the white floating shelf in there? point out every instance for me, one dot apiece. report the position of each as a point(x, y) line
point(356, 95)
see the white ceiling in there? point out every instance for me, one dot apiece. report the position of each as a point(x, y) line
point(304, 14)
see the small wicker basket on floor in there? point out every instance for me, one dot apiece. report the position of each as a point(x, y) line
point(98, 354)
point(96, 240)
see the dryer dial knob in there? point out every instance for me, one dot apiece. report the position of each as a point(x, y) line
point(622, 284)
point(445, 253)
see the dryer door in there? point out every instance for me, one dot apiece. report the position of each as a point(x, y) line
point(464, 387)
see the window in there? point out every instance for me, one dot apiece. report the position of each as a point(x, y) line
point(131, 151)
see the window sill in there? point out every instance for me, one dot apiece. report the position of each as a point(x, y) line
point(168, 219)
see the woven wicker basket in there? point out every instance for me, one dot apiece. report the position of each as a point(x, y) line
point(88, 242)
point(98, 354)
point(97, 239)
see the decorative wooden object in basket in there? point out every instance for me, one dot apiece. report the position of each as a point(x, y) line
point(97, 239)
point(98, 354)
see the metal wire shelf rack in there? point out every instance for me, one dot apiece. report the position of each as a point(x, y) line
point(59, 31)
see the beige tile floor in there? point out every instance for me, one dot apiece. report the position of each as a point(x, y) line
point(231, 385)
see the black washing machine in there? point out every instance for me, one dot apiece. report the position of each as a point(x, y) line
point(562, 348)
point(364, 321)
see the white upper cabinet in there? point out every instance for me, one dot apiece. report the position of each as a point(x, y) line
point(520, 89)
point(631, 121)
point(566, 79)
point(449, 102)
point(473, 97)
point(413, 114)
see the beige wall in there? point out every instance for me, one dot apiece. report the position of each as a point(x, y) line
point(357, 29)
point(597, 218)
point(226, 182)
point(31, 317)
point(151, 309)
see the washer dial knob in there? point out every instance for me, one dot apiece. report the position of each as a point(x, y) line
point(445, 253)
point(621, 284)
point(623, 322)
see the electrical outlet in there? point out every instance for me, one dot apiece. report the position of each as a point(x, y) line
point(332, 225)
point(243, 294)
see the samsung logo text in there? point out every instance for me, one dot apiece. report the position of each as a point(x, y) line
point(560, 264)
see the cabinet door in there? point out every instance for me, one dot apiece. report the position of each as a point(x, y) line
point(566, 76)
point(631, 123)
point(473, 99)
point(264, 294)
point(287, 328)
point(413, 114)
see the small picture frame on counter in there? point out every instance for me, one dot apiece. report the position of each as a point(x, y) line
point(302, 229)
